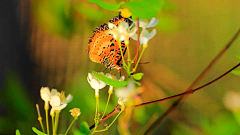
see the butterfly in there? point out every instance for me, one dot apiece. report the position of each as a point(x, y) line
point(103, 48)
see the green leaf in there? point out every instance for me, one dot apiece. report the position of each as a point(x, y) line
point(18, 132)
point(106, 5)
point(138, 76)
point(114, 83)
point(84, 128)
point(37, 131)
point(144, 8)
point(138, 83)
point(235, 72)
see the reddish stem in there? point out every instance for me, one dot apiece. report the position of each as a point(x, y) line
point(116, 110)
point(187, 92)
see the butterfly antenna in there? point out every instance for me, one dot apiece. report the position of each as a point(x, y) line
point(144, 63)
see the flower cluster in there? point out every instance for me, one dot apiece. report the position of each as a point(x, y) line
point(57, 100)
point(121, 32)
point(145, 36)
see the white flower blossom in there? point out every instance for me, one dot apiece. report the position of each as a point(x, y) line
point(59, 101)
point(45, 95)
point(126, 92)
point(121, 32)
point(145, 24)
point(95, 83)
point(145, 36)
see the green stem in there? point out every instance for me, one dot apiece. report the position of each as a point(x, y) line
point(40, 118)
point(111, 122)
point(109, 95)
point(96, 114)
point(139, 59)
point(75, 118)
point(128, 50)
point(56, 122)
point(46, 111)
point(53, 124)
point(40, 121)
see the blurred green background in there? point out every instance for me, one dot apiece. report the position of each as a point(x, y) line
point(44, 43)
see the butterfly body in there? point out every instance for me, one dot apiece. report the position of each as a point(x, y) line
point(103, 48)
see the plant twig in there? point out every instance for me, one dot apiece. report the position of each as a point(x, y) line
point(195, 83)
point(187, 92)
point(117, 110)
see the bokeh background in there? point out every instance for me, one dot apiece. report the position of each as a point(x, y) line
point(44, 43)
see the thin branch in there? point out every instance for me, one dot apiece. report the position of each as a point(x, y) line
point(117, 110)
point(195, 83)
point(187, 92)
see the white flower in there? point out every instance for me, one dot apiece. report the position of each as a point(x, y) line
point(122, 101)
point(232, 100)
point(46, 95)
point(121, 32)
point(145, 24)
point(145, 36)
point(126, 92)
point(95, 83)
point(59, 101)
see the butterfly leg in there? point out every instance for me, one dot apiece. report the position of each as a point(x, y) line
point(106, 69)
point(100, 68)
point(117, 72)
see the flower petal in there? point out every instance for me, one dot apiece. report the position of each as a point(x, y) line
point(54, 92)
point(152, 34)
point(55, 101)
point(60, 107)
point(145, 33)
point(52, 111)
point(68, 99)
point(94, 84)
point(142, 24)
point(143, 40)
point(134, 37)
point(45, 94)
point(125, 25)
point(132, 31)
point(153, 22)
point(90, 76)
